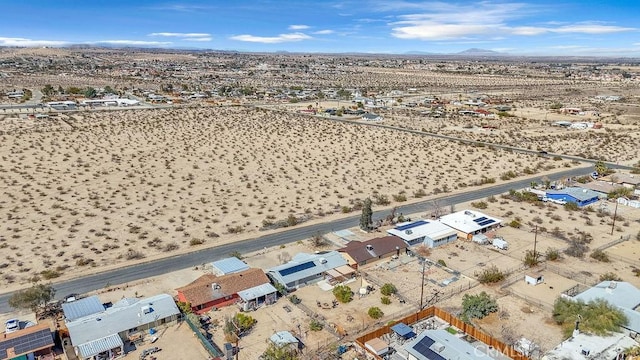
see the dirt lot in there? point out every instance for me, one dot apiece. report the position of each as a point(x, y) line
point(190, 347)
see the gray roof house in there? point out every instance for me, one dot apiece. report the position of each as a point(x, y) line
point(76, 309)
point(305, 269)
point(104, 332)
point(621, 294)
point(229, 265)
point(441, 345)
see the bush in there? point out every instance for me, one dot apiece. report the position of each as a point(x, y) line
point(343, 293)
point(515, 224)
point(385, 300)
point(479, 205)
point(388, 289)
point(552, 254)
point(50, 274)
point(610, 276)
point(600, 255)
point(477, 306)
point(375, 312)
point(531, 258)
point(491, 275)
point(196, 241)
point(598, 316)
point(315, 325)
point(576, 249)
point(400, 197)
point(295, 299)
point(571, 206)
point(236, 254)
point(419, 193)
point(441, 263)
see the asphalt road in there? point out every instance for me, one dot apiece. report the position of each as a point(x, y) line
point(136, 272)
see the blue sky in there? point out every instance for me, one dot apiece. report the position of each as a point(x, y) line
point(542, 27)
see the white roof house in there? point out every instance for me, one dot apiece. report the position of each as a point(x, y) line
point(98, 331)
point(470, 222)
point(587, 347)
point(426, 231)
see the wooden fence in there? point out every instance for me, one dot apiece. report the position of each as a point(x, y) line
point(431, 311)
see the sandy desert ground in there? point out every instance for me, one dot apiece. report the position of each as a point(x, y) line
point(90, 190)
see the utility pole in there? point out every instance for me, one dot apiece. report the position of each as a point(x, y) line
point(615, 212)
point(424, 261)
point(535, 243)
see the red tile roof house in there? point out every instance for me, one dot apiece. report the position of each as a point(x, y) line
point(209, 291)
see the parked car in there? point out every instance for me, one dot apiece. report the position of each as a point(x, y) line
point(11, 325)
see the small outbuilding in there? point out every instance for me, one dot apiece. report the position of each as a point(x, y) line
point(377, 346)
point(533, 279)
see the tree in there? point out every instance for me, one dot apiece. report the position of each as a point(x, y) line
point(596, 317)
point(90, 92)
point(32, 298)
point(343, 293)
point(185, 307)
point(48, 90)
point(601, 168)
point(532, 258)
point(388, 289)
point(238, 325)
point(275, 352)
point(620, 192)
point(367, 213)
point(477, 306)
point(109, 90)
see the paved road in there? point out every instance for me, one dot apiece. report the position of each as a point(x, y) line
point(178, 262)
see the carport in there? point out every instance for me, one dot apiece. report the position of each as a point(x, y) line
point(403, 330)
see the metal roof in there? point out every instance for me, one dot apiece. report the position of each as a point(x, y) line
point(98, 346)
point(256, 292)
point(575, 192)
point(304, 265)
point(465, 221)
point(124, 315)
point(228, 266)
point(435, 230)
point(79, 308)
point(282, 338)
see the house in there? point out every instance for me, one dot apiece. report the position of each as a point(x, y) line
point(306, 269)
point(620, 294)
point(371, 117)
point(101, 335)
point(586, 347)
point(28, 343)
point(631, 181)
point(209, 291)
point(603, 188)
point(77, 309)
point(228, 266)
point(442, 345)
point(363, 252)
point(470, 222)
point(429, 233)
point(62, 105)
point(580, 196)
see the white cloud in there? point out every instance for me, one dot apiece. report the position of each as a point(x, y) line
point(298, 27)
point(272, 39)
point(22, 42)
point(202, 39)
point(324, 32)
point(443, 21)
point(134, 42)
point(181, 35)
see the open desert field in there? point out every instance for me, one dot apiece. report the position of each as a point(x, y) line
point(94, 190)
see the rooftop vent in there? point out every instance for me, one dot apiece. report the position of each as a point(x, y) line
point(369, 247)
point(215, 286)
point(613, 285)
point(323, 261)
point(438, 347)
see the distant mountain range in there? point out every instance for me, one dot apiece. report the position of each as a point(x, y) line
point(468, 52)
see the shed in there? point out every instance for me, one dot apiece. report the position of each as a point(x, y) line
point(377, 346)
point(403, 330)
point(228, 266)
point(284, 338)
point(533, 279)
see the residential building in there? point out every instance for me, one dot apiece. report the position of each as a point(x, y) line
point(28, 343)
point(603, 188)
point(431, 233)
point(580, 196)
point(209, 291)
point(101, 335)
point(621, 294)
point(470, 222)
point(587, 347)
point(371, 117)
point(631, 181)
point(306, 269)
point(358, 253)
point(442, 345)
point(80, 308)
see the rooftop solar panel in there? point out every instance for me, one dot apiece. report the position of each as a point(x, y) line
point(423, 347)
point(296, 268)
point(411, 225)
point(26, 343)
point(486, 222)
point(480, 219)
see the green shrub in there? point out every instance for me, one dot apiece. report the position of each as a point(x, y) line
point(552, 254)
point(610, 276)
point(515, 224)
point(343, 293)
point(388, 289)
point(315, 325)
point(479, 205)
point(600, 255)
point(385, 300)
point(477, 306)
point(571, 206)
point(491, 275)
point(441, 263)
point(375, 312)
point(400, 197)
point(598, 316)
